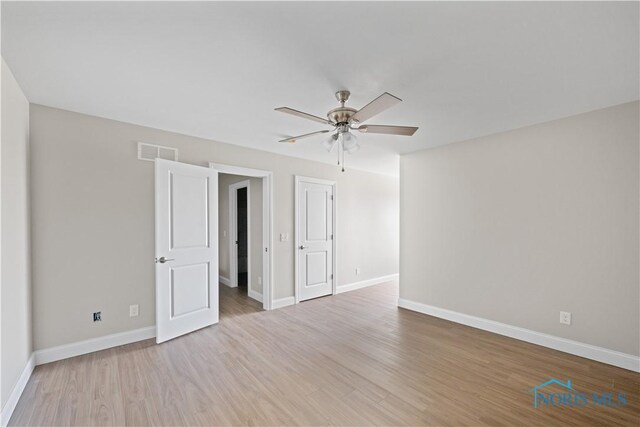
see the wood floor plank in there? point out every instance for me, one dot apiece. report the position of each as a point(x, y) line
point(107, 408)
point(349, 359)
point(75, 402)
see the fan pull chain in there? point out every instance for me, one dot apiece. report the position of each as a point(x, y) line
point(341, 153)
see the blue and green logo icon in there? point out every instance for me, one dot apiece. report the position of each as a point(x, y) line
point(568, 396)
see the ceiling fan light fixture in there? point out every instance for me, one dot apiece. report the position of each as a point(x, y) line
point(330, 142)
point(349, 142)
point(353, 148)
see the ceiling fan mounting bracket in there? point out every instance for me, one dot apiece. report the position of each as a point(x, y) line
point(343, 96)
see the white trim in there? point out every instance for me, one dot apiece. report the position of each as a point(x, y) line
point(315, 180)
point(283, 302)
point(600, 354)
point(94, 344)
point(334, 185)
point(267, 223)
point(233, 231)
point(364, 283)
point(335, 238)
point(224, 280)
point(10, 406)
point(296, 222)
point(254, 294)
point(239, 170)
point(267, 241)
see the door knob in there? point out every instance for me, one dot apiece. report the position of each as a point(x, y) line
point(162, 260)
point(303, 247)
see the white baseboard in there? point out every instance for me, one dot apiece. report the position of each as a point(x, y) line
point(255, 295)
point(225, 281)
point(600, 354)
point(94, 344)
point(282, 302)
point(363, 284)
point(10, 406)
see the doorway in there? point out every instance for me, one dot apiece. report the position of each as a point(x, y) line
point(242, 239)
point(240, 235)
point(259, 261)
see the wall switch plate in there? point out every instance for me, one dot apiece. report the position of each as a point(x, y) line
point(284, 237)
point(259, 280)
point(357, 271)
point(97, 316)
point(565, 317)
point(133, 310)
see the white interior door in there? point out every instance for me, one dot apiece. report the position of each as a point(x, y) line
point(186, 248)
point(314, 238)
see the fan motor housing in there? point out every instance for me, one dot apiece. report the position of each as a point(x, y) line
point(341, 115)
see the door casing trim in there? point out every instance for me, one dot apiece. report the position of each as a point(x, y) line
point(267, 223)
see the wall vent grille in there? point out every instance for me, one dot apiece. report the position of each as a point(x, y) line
point(151, 152)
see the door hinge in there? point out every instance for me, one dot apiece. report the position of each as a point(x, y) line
point(332, 277)
point(332, 197)
point(266, 249)
point(332, 237)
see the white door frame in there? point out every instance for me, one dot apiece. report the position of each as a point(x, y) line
point(233, 232)
point(333, 184)
point(267, 224)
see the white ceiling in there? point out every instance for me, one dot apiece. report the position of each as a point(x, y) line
point(217, 70)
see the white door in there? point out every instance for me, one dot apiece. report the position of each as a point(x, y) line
point(186, 248)
point(314, 238)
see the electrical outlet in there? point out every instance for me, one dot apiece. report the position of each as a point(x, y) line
point(259, 280)
point(357, 271)
point(565, 317)
point(97, 316)
point(133, 310)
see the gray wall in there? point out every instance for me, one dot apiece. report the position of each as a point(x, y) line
point(93, 227)
point(15, 289)
point(518, 226)
point(255, 220)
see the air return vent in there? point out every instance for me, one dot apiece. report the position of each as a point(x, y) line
point(152, 152)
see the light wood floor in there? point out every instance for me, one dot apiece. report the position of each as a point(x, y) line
point(350, 359)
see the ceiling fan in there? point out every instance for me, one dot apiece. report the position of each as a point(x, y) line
point(346, 119)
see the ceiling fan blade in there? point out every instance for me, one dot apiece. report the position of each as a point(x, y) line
point(293, 139)
point(378, 105)
point(388, 130)
point(303, 115)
